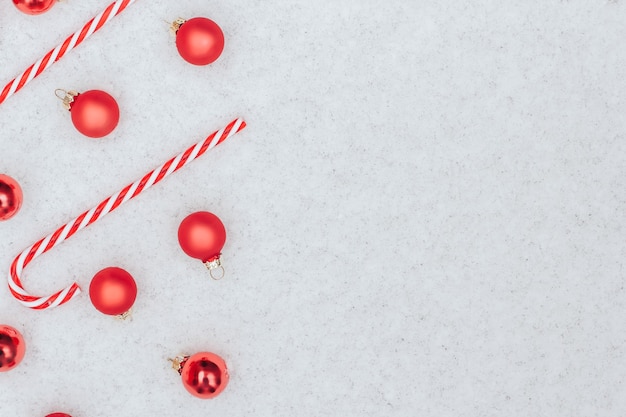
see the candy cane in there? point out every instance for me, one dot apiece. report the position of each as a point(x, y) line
point(67, 230)
point(70, 43)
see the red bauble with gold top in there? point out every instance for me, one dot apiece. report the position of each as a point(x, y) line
point(202, 235)
point(95, 113)
point(204, 374)
point(113, 291)
point(200, 41)
point(12, 348)
point(11, 197)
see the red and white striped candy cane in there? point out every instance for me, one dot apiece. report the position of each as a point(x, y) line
point(70, 43)
point(67, 230)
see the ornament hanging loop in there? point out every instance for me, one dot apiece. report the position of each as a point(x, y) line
point(67, 97)
point(62, 91)
point(217, 277)
point(214, 266)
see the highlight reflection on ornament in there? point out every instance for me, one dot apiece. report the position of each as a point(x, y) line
point(200, 41)
point(202, 236)
point(12, 348)
point(113, 291)
point(11, 197)
point(204, 375)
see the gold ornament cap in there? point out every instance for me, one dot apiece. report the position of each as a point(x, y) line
point(67, 97)
point(178, 362)
point(176, 25)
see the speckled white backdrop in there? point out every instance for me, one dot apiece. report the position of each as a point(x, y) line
point(425, 215)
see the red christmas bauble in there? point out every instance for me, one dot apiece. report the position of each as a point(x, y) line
point(10, 197)
point(34, 6)
point(58, 415)
point(202, 235)
point(95, 113)
point(200, 41)
point(113, 291)
point(204, 375)
point(12, 348)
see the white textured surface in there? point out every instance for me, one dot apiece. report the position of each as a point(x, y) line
point(425, 215)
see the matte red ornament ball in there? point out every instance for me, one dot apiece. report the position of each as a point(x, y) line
point(58, 415)
point(205, 375)
point(10, 197)
point(113, 291)
point(95, 113)
point(12, 348)
point(202, 235)
point(34, 6)
point(200, 41)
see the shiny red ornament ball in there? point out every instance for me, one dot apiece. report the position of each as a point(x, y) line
point(34, 6)
point(113, 291)
point(58, 415)
point(10, 197)
point(200, 41)
point(204, 375)
point(94, 113)
point(12, 348)
point(202, 235)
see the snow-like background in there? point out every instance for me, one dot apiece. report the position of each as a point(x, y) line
point(425, 214)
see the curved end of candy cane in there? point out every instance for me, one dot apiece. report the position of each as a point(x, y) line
point(16, 288)
point(56, 299)
point(43, 303)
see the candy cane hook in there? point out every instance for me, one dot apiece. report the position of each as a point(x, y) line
point(89, 217)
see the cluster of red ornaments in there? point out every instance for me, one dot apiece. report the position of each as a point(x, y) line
point(95, 113)
point(113, 291)
point(201, 235)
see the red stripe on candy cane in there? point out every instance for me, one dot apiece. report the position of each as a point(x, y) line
point(70, 43)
